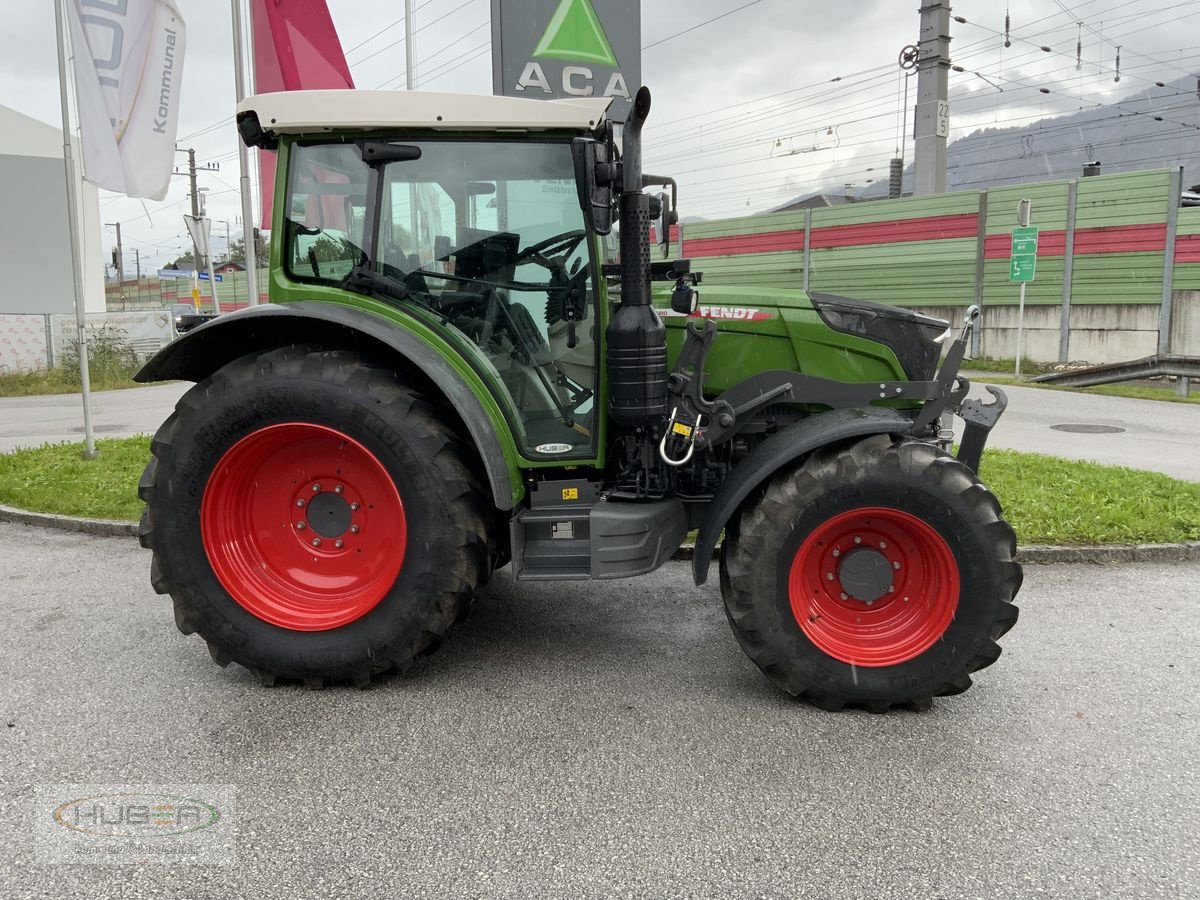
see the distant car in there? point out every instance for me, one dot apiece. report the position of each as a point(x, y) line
point(186, 318)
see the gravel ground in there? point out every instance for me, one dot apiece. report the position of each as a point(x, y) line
point(609, 739)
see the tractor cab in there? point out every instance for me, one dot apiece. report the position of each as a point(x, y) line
point(482, 231)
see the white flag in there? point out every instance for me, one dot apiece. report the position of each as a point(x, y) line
point(128, 60)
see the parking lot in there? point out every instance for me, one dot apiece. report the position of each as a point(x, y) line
point(609, 739)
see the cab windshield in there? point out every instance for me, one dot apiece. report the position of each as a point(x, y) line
point(490, 236)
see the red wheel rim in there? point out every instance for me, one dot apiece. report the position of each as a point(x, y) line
point(303, 526)
point(901, 623)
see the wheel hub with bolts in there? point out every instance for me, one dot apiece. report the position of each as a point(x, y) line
point(874, 586)
point(865, 574)
point(327, 513)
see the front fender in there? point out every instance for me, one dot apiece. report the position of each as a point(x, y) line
point(776, 452)
point(199, 353)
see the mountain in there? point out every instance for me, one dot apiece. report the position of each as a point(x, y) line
point(1152, 129)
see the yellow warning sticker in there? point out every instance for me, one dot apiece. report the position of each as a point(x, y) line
point(680, 428)
point(570, 493)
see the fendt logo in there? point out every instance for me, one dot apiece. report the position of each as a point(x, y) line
point(576, 37)
point(732, 313)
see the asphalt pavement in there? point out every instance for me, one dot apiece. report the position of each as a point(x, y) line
point(609, 739)
point(32, 421)
point(1155, 435)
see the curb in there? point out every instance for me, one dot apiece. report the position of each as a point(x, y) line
point(100, 527)
point(1098, 554)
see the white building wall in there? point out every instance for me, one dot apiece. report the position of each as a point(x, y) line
point(35, 245)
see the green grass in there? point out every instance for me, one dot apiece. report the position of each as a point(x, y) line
point(1047, 500)
point(988, 364)
point(1137, 391)
point(1057, 501)
point(55, 478)
point(60, 381)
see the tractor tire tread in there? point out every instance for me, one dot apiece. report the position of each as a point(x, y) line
point(451, 585)
point(766, 517)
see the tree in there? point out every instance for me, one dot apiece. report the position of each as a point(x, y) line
point(237, 250)
point(186, 259)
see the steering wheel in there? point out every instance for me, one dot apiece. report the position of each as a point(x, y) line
point(559, 245)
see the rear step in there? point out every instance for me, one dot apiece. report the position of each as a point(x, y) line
point(568, 534)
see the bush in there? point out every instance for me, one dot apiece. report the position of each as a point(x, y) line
point(110, 357)
point(112, 362)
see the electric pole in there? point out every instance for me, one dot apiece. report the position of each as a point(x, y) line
point(933, 105)
point(137, 262)
point(197, 263)
point(119, 256)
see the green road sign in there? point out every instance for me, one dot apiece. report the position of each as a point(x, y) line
point(1023, 262)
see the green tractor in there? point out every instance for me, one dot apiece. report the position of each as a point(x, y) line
point(451, 378)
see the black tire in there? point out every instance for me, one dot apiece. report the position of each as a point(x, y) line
point(449, 551)
point(916, 478)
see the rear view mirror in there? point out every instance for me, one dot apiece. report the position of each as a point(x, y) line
point(593, 180)
point(381, 152)
point(666, 220)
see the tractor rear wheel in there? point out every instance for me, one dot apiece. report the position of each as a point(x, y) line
point(876, 576)
point(313, 518)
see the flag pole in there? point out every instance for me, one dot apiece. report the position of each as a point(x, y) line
point(89, 440)
point(248, 242)
point(409, 75)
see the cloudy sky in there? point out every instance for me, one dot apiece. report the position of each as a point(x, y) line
point(747, 111)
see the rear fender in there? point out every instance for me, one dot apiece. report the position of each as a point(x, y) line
point(773, 454)
point(204, 350)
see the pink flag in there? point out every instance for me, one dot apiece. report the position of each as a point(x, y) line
point(296, 48)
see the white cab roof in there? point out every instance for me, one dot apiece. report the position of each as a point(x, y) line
point(313, 112)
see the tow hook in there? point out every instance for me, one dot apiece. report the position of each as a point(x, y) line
point(979, 417)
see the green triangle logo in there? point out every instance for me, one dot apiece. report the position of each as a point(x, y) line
point(575, 34)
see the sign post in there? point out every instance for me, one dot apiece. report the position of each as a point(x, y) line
point(1022, 266)
point(199, 228)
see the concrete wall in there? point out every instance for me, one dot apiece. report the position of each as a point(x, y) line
point(1185, 323)
point(1099, 334)
point(1116, 333)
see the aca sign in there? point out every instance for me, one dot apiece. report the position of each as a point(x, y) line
point(567, 48)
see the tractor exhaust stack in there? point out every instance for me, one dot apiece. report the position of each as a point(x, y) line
point(637, 340)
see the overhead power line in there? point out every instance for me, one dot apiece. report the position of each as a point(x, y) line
point(386, 28)
point(415, 31)
point(723, 15)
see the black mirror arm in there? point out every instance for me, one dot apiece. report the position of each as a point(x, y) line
point(670, 217)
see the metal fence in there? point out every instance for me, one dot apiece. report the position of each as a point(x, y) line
point(31, 342)
point(1112, 240)
point(154, 293)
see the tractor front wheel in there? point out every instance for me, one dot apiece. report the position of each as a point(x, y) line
point(878, 575)
point(314, 518)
